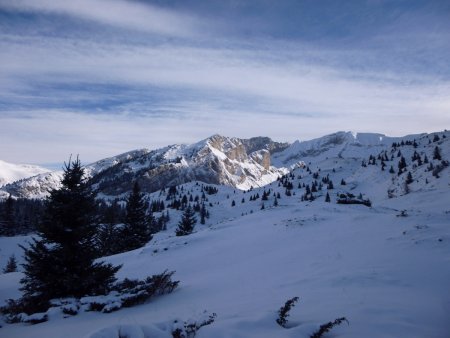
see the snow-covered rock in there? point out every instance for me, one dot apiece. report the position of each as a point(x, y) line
point(10, 172)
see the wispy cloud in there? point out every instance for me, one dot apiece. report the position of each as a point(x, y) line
point(197, 82)
point(120, 13)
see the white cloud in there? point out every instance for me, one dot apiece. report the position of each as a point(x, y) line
point(238, 88)
point(293, 85)
point(120, 13)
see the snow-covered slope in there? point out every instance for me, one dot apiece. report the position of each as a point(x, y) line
point(12, 172)
point(382, 267)
point(340, 144)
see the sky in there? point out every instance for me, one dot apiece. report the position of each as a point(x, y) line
point(102, 77)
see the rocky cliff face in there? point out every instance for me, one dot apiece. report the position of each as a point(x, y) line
point(216, 160)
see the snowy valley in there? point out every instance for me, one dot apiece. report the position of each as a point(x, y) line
point(355, 225)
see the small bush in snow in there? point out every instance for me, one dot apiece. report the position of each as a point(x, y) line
point(283, 313)
point(70, 309)
point(189, 329)
point(348, 198)
point(135, 292)
point(12, 311)
point(124, 294)
point(11, 266)
point(327, 327)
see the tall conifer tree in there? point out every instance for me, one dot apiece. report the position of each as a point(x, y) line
point(137, 230)
point(60, 262)
point(187, 223)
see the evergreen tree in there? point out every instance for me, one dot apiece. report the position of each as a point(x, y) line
point(327, 198)
point(11, 266)
point(401, 165)
point(61, 262)
point(409, 178)
point(437, 153)
point(108, 240)
point(203, 214)
point(7, 222)
point(330, 185)
point(187, 222)
point(137, 230)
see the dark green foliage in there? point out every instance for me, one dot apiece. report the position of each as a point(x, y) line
point(327, 327)
point(190, 329)
point(203, 214)
point(401, 165)
point(19, 216)
point(349, 198)
point(283, 312)
point(38, 320)
point(60, 263)
point(108, 240)
point(135, 291)
point(439, 168)
point(137, 229)
point(327, 198)
point(409, 178)
point(187, 222)
point(437, 153)
point(210, 190)
point(11, 266)
point(127, 293)
point(7, 223)
point(12, 310)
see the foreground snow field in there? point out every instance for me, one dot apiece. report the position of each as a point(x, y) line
point(385, 268)
point(387, 274)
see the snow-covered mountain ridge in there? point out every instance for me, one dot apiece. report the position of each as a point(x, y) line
point(220, 160)
point(241, 163)
point(10, 172)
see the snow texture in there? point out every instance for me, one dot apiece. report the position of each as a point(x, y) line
point(383, 267)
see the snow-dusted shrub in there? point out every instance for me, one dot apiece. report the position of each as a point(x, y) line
point(283, 313)
point(126, 293)
point(35, 318)
point(12, 311)
point(70, 309)
point(133, 292)
point(348, 198)
point(327, 327)
point(439, 168)
point(188, 329)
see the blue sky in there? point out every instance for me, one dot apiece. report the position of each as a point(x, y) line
point(101, 77)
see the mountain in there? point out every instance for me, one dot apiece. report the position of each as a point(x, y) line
point(13, 172)
point(241, 163)
point(378, 266)
point(341, 144)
